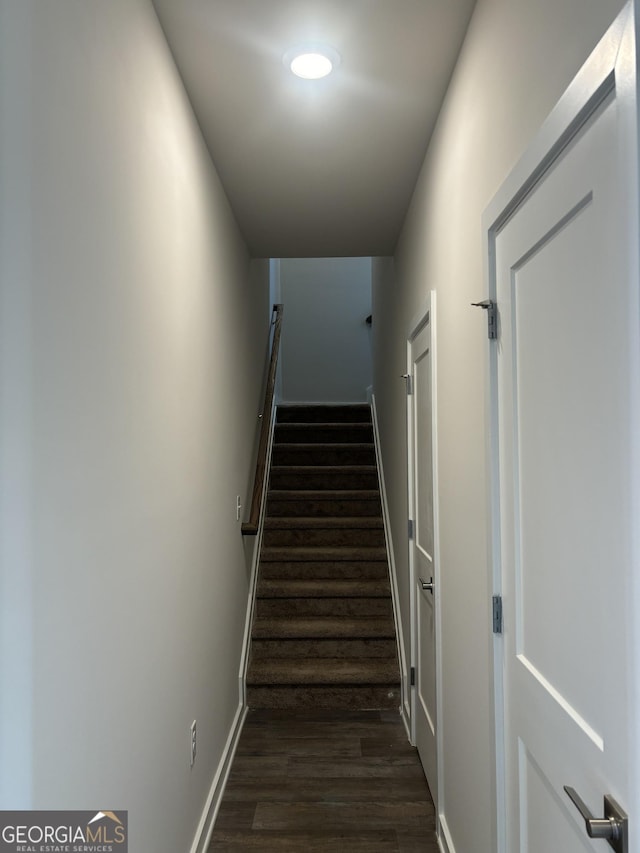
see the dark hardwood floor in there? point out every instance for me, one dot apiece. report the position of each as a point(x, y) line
point(325, 781)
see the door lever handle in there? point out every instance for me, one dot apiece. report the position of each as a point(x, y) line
point(427, 585)
point(613, 827)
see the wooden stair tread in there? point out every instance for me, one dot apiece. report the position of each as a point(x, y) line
point(344, 475)
point(325, 536)
point(329, 428)
point(324, 494)
point(338, 553)
point(323, 588)
point(331, 697)
point(324, 647)
point(295, 522)
point(324, 469)
point(318, 607)
point(304, 413)
point(309, 426)
point(323, 454)
point(307, 627)
point(327, 570)
point(320, 445)
point(302, 425)
point(326, 503)
point(323, 671)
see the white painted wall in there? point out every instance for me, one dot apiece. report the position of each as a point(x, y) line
point(132, 332)
point(517, 60)
point(326, 349)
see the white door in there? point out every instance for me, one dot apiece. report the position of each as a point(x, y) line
point(423, 544)
point(565, 402)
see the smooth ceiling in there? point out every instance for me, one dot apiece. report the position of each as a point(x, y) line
point(317, 168)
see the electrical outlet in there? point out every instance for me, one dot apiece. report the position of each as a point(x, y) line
point(192, 741)
point(238, 507)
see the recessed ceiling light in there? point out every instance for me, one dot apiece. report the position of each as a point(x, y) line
point(311, 66)
point(311, 61)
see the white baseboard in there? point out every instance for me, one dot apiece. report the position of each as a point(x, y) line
point(216, 792)
point(405, 713)
point(444, 836)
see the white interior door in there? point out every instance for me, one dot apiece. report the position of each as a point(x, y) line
point(423, 547)
point(566, 418)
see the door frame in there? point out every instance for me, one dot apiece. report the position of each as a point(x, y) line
point(426, 314)
point(610, 68)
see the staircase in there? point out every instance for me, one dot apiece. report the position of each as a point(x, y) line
point(323, 632)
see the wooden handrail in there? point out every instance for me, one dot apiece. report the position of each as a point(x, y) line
point(250, 528)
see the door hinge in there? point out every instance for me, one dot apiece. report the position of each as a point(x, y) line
point(497, 614)
point(410, 528)
point(413, 677)
point(492, 316)
point(409, 382)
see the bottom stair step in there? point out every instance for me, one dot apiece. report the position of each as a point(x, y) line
point(335, 697)
point(352, 671)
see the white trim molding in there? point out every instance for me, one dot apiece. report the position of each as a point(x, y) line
point(216, 792)
point(445, 842)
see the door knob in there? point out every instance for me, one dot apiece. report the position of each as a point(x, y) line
point(613, 827)
point(427, 585)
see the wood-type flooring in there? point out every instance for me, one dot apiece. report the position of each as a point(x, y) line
point(320, 781)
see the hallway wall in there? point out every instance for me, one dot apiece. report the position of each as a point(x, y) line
point(326, 343)
point(517, 60)
point(132, 335)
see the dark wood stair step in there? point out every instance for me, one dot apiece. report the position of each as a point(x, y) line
point(323, 588)
point(319, 477)
point(330, 523)
point(334, 697)
point(324, 537)
point(324, 569)
point(358, 607)
point(324, 494)
point(323, 454)
point(330, 532)
point(323, 503)
point(324, 648)
point(323, 671)
point(349, 413)
point(323, 433)
point(322, 554)
point(327, 627)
